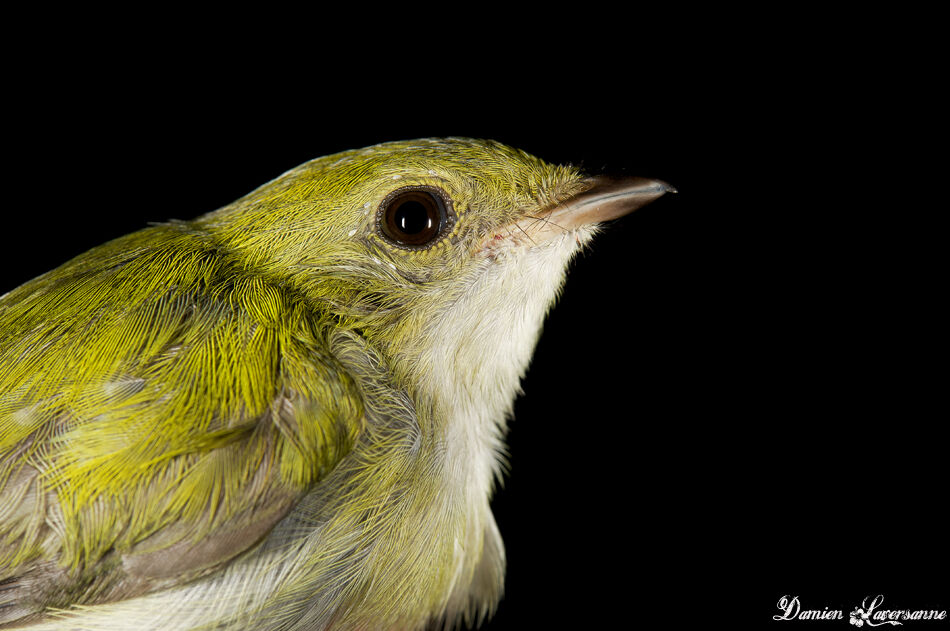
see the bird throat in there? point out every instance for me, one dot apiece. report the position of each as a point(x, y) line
point(480, 351)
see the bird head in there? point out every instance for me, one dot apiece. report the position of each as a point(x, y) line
point(445, 254)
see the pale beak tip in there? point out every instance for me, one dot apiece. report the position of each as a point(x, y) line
point(662, 187)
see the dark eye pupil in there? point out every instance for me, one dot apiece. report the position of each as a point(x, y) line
point(412, 217)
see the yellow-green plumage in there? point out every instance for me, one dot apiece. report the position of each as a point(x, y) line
point(269, 417)
point(145, 381)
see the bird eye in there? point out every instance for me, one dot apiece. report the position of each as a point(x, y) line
point(414, 216)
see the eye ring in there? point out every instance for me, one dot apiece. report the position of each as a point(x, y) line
point(414, 217)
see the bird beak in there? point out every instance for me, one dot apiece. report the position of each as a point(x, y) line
point(604, 198)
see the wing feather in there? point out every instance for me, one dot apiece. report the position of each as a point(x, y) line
point(161, 409)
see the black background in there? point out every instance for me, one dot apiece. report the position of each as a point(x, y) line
point(736, 398)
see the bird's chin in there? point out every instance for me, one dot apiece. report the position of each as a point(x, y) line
point(532, 235)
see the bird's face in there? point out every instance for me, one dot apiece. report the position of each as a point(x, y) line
point(445, 253)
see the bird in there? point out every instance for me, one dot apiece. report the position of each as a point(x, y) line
point(288, 413)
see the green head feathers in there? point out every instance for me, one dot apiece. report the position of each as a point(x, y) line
point(319, 226)
point(287, 413)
